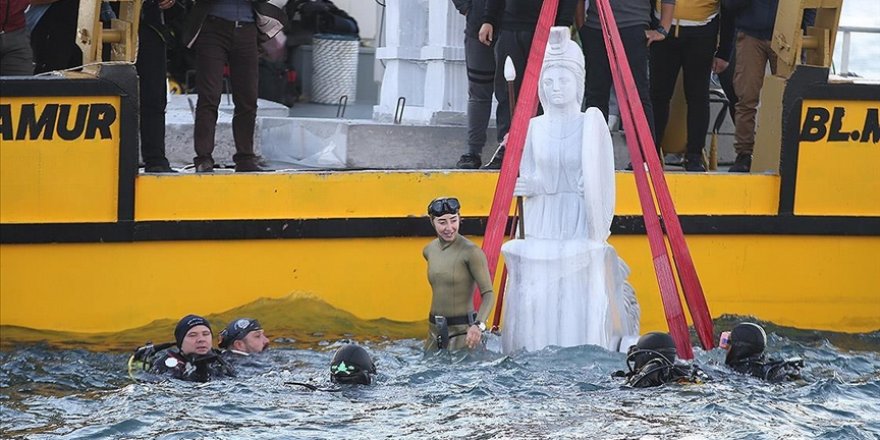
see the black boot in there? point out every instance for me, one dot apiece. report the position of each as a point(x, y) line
point(742, 164)
point(204, 165)
point(158, 169)
point(250, 165)
point(497, 159)
point(469, 161)
point(694, 162)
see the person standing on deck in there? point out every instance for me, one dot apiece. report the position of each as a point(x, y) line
point(454, 265)
point(755, 20)
point(16, 57)
point(480, 62)
point(510, 26)
point(634, 22)
point(152, 75)
point(224, 32)
point(692, 46)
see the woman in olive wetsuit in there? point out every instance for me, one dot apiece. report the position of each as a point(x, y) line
point(454, 265)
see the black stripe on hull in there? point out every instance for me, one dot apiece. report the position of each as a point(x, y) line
point(403, 227)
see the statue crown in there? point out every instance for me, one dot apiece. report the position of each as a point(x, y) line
point(562, 50)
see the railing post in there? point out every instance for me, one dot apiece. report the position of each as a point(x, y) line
point(844, 53)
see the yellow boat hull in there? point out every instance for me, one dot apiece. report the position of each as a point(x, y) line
point(88, 245)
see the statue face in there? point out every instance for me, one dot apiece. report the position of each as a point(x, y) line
point(559, 86)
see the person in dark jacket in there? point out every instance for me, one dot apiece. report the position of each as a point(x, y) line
point(480, 62)
point(745, 346)
point(53, 38)
point(195, 358)
point(510, 25)
point(652, 363)
point(16, 57)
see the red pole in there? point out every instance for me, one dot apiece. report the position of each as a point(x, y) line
point(526, 108)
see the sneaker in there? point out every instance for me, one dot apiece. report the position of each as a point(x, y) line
point(204, 165)
point(694, 162)
point(469, 161)
point(742, 164)
point(497, 159)
point(158, 169)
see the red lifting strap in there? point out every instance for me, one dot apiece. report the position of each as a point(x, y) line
point(643, 151)
point(526, 108)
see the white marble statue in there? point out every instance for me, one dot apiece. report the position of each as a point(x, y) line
point(566, 285)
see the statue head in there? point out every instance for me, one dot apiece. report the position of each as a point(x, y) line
point(561, 58)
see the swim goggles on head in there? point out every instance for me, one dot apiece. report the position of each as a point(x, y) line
point(443, 206)
point(238, 330)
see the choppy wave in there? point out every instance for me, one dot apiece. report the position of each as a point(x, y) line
point(300, 319)
point(51, 392)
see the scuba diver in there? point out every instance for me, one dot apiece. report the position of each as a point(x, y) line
point(745, 346)
point(455, 264)
point(243, 337)
point(651, 363)
point(351, 365)
point(194, 359)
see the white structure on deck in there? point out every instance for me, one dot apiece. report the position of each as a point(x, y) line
point(423, 54)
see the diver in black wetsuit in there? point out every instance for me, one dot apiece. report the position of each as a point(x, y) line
point(243, 337)
point(651, 363)
point(194, 358)
point(745, 346)
point(352, 365)
point(242, 343)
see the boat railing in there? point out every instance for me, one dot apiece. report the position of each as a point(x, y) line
point(847, 32)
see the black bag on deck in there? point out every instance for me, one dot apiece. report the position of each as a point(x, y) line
point(278, 83)
point(323, 17)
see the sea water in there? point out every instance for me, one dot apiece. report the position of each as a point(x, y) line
point(551, 393)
